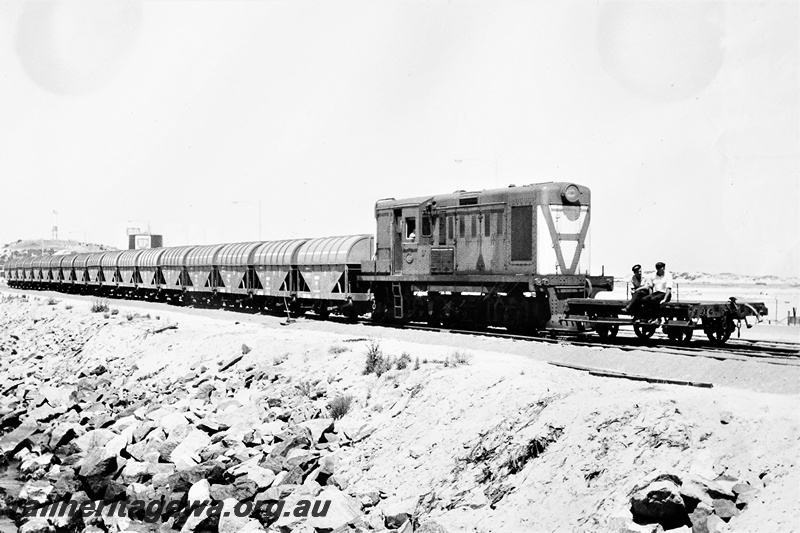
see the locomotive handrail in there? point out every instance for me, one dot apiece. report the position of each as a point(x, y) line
point(472, 206)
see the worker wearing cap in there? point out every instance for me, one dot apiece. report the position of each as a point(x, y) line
point(639, 288)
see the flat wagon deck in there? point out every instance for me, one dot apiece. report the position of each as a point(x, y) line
point(677, 319)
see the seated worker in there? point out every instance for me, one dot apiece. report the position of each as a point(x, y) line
point(661, 285)
point(639, 288)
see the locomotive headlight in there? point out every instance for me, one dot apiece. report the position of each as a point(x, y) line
point(571, 194)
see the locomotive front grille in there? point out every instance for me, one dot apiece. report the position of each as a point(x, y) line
point(442, 260)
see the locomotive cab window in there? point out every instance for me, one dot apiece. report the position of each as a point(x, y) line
point(411, 228)
point(426, 225)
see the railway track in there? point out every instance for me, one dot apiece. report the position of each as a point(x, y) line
point(771, 352)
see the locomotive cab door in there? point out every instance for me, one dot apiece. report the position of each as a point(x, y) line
point(405, 240)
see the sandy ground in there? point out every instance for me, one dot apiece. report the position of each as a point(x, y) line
point(439, 440)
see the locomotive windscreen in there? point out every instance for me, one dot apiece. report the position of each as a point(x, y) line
point(522, 233)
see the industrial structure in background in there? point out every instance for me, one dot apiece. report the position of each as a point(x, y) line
point(139, 239)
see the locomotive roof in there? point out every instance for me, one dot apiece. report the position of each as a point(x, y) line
point(484, 196)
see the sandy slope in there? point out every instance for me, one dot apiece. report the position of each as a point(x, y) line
point(505, 443)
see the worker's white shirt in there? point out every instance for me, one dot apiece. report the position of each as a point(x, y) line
point(661, 283)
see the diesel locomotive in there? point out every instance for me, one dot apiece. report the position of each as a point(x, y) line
point(505, 257)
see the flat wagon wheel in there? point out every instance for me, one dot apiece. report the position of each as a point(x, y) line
point(607, 331)
point(644, 331)
point(680, 335)
point(720, 331)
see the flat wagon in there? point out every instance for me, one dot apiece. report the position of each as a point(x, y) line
point(678, 320)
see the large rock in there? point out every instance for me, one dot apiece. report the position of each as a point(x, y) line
point(58, 396)
point(250, 469)
point(36, 491)
point(37, 525)
point(725, 509)
point(431, 526)
point(699, 516)
point(187, 453)
point(661, 502)
point(745, 493)
point(396, 513)
point(98, 462)
point(136, 471)
point(241, 489)
point(93, 439)
point(13, 441)
point(317, 427)
point(200, 491)
point(343, 509)
point(182, 480)
point(63, 433)
point(240, 421)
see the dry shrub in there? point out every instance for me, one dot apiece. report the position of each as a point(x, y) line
point(403, 361)
point(457, 358)
point(376, 362)
point(305, 387)
point(336, 349)
point(340, 406)
point(99, 306)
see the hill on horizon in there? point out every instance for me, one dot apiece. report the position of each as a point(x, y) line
point(25, 248)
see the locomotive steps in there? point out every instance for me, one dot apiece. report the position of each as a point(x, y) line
point(504, 442)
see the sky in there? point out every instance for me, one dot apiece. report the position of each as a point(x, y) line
point(200, 120)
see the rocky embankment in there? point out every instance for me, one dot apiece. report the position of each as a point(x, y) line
point(121, 405)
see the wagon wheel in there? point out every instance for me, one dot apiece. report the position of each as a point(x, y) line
point(433, 319)
point(679, 335)
point(720, 332)
point(644, 331)
point(607, 331)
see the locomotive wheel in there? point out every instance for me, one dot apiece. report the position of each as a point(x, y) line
point(644, 331)
point(720, 332)
point(607, 331)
